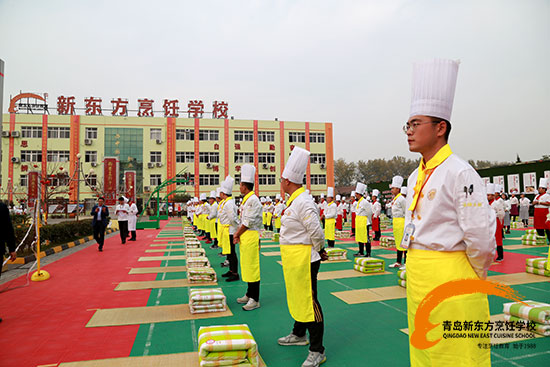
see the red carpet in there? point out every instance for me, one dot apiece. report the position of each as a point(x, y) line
point(513, 263)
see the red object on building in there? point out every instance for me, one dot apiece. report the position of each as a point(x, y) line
point(93, 106)
point(219, 110)
point(130, 185)
point(196, 108)
point(65, 105)
point(216, 168)
point(110, 180)
point(145, 107)
point(217, 146)
point(271, 146)
point(32, 187)
point(238, 168)
point(291, 147)
point(24, 168)
point(272, 168)
point(237, 146)
point(121, 105)
point(171, 108)
point(24, 143)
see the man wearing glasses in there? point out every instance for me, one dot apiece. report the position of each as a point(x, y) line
point(449, 226)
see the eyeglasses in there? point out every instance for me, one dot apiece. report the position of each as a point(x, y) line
point(413, 125)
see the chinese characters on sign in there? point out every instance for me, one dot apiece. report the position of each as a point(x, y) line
point(110, 180)
point(120, 107)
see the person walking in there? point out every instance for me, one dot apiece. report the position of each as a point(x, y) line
point(100, 220)
point(121, 211)
point(7, 237)
point(132, 220)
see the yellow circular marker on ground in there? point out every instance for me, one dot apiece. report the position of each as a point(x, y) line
point(39, 276)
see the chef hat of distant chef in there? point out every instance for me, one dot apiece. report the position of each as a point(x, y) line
point(227, 185)
point(404, 190)
point(322, 196)
point(360, 188)
point(490, 188)
point(330, 192)
point(248, 173)
point(262, 200)
point(218, 191)
point(307, 191)
point(278, 197)
point(296, 165)
point(433, 88)
point(268, 199)
point(212, 194)
point(338, 198)
point(203, 196)
point(195, 199)
point(352, 195)
point(343, 198)
point(543, 182)
point(396, 181)
point(375, 192)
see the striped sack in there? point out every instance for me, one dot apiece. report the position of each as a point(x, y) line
point(227, 345)
point(537, 262)
point(536, 311)
point(541, 329)
point(537, 271)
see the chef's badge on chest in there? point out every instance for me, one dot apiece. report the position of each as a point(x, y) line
point(407, 235)
point(431, 194)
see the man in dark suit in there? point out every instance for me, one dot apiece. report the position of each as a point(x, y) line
point(7, 235)
point(100, 214)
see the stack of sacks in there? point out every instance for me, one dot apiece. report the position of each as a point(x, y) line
point(387, 242)
point(402, 277)
point(197, 262)
point(227, 345)
point(536, 312)
point(336, 254)
point(192, 243)
point(516, 225)
point(342, 234)
point(201, 275)
point(369, 265)
point(195, 252)
point(530, 238)
point(538, 266)
point(276, 237)
point(266, 234)
point(203, 300)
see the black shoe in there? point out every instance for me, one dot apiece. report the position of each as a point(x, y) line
point(224, 265)
point(232, 278)
point(228, 274)
point(132, 239)
point(358, 255)
point(100, 249)
point(124, 242)
point(499, 259)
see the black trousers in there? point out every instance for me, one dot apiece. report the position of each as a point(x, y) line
point(540, 232)
point(401, 255)
point(330, 243)
point(253, 291)
point(500, 252)
point(315, 328)
point(123, 227)
point(366, 247)
point(232, 258)
point(133, 235)
point(99, 233)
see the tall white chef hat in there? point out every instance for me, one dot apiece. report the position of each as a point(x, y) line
point(218, 190)
point(307, 191)
point(296, 165)
point(212, 194)
point(248, 173)
point(375, 192)
point(262, 199)
point(543, 182)
point(330, 192)
point(227, 185)
point(338, 198)
point(203, 196)
point(396, 181)
point(322, 196)
point(490, 188)
point(352, 194)
point(343, 198)
point(278, 197)
point(404, 190)
point(360, 188)
point(433, 88)
point(268, 199)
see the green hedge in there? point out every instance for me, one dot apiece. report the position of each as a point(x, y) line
point(52, 235)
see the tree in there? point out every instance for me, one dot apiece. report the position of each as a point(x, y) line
point(344, 173)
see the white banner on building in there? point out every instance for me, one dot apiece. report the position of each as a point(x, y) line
point(529, 182)
point(513, 184)
point(486, 180)
point(547, 177)
point(499, 180)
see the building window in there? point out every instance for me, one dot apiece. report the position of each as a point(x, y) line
point(268, 136)
point(244, 135)
point(266, 157)
point(59, 180)
point(155, 157)
point(155, 180)
point(31, 132)
point(244, 157)
point(59, 132)
point(91, 180)
point(31, 156)
point(316, 137)
point(91, 133)
point(296, 137)
point(266, 179)
point(90, 156)
point(185, 157)
point(185, 134)
point(315, 158)
point(23, 180)
point(209, 180)
point(58, 155)
point(155, 134)
point(209, 157)
point(318, 179)
point(237, 179)
point(186, 176)
point(209, 134)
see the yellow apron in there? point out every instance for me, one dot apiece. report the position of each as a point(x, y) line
point(224, 239)
point(330, 224)
point(203, 219)
point(360, 229)
point(425, 271)
point(195, 222)
point(250, 256)
point(264, 218)
point(268, 218)
point(213, 233)
point(398, 228)
point(297, 272)
point(278, 222)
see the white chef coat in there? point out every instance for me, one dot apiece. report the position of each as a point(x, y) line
point(121, 216)
point(213, 213)
point(331, 210)
point(340, 209)
point(498, 207)
point(364, 209)
point(448, 219)
point(376, 209)
point(541, 199)
point(229, 215)
point(278, 209)
point(514, 201)
point(132, 217)
point(399, 207)
point(251, 214)
point(524, 202)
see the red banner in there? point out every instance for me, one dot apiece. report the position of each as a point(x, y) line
point(32, 184)
point(110, 180)
point(130, 185)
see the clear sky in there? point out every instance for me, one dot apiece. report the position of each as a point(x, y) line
point(346, 62)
